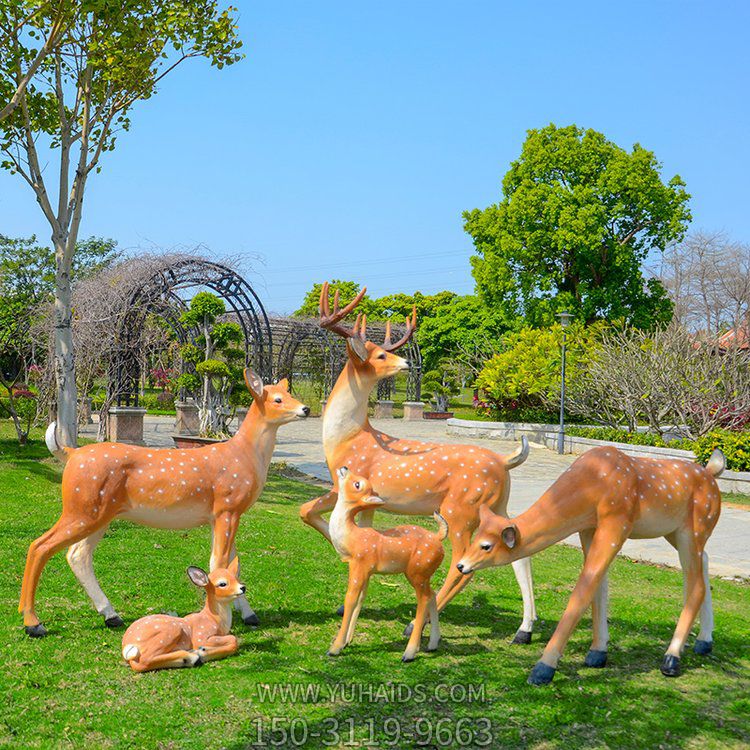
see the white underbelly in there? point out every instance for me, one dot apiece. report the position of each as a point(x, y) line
point(181, 516)
point(653, 525)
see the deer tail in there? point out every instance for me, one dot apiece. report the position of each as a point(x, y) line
point(442, 526)
point(130, 652)
point(519, 455)
point(59, 452)
point(717, 463)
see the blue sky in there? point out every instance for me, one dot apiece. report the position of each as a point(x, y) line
point(352, 136)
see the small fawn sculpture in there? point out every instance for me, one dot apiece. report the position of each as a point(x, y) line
point(607, 497)
point(408, 549)
point(166, 642)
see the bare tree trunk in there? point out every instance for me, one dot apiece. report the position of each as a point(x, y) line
point(65, 373)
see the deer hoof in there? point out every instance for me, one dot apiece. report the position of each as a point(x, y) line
point(340, 611)
point(114, 622)
point(36, 631)
point(331, 652)
point(523, 637)
point(432, 648)
point(409, 628)
point(541, 674)
point(703, 647)
point(596, 659)
point(670, 666)
point(251, 620)
point(406, 659)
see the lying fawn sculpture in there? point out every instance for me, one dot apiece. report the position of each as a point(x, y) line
point(166, 642)
point(165, 488)
point(607, 497)
point(411, 550)
point(412, 477)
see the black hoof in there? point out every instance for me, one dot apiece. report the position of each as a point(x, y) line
point(522, 636)
point(340, 611)
point(596, 659)
point(406, 659)
point(670, 666)
point(429, 649)
point(114, 622)
point(199, 662)
point(251, 620)
point(408, 629)
point(703, 647)
point(541, 674)
point(330, 653)
point(35, 631)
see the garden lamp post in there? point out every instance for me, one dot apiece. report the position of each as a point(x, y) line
point(565, 318)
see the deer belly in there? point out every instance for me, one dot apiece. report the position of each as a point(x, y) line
point(655, 522)
point(179, 516)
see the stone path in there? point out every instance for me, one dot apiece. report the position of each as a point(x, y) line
point(299, 445)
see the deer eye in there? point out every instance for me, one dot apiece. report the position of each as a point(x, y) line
point(278, 400)
point(356, 485)
point(382, 356)
point(486, 546)
point(222, 584)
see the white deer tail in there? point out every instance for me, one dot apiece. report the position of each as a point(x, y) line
point(519, 455)
point(717, 463)
point(442, 526)
point(50, 437)
point(130, 652)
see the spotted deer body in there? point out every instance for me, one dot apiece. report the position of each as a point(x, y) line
point(607, 497)
point(164, 488)
point(412, 477)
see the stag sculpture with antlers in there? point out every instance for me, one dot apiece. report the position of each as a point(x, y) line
point(412, 477)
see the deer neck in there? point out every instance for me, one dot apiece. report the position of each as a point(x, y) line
point(257, 436)
point(218, 614)
point(346, 410)
point(342, 527)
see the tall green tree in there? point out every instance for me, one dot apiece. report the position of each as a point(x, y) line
point(75, 100)
point(577, 219)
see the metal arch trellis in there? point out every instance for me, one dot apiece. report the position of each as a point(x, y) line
point(158, 294)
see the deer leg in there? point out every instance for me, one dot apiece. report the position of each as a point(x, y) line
point(597, 655)
point(605, 544)
point(68, 530)
point(705, 643)
point(224, 527)
point(81, 560)
point(691, 560)
point(218, 647)
point(171, 660)
point(355, 614)
point(522, 571)
point(434, 624)
point(424, 596)
point(240, 603)
point(312, 513)
point(357, 581)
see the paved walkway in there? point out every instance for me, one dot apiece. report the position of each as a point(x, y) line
point(299, 445)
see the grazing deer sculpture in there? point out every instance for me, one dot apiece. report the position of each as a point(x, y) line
point(166, 642)
point(407, 549)
point(412, 477)
point(165, 488)
point(607, 497)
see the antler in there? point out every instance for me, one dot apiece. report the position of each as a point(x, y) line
point(331, 321)
point(411, 326)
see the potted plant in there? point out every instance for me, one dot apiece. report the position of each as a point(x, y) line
point(439, 384)
point(217, 363)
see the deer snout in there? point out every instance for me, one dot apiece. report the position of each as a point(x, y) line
point(463, 568)
point(243, 588)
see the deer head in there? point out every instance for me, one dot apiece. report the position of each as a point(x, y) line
point(369, 358)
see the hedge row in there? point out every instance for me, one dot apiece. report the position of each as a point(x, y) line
point(734, 445)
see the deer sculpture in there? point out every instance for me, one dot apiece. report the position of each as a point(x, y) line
point(164, 488)
point(407, 549)
point(412, 477)
point(167, 642)
point(607, 497)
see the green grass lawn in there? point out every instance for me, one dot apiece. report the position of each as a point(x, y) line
point(735, 497)
point(72, 690)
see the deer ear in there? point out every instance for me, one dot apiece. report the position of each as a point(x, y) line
point(358, 348)
point(198, 576)
point(254, 384)
point(283, 383)
point(234, 566)
point(509, 535)
point(342, 472)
